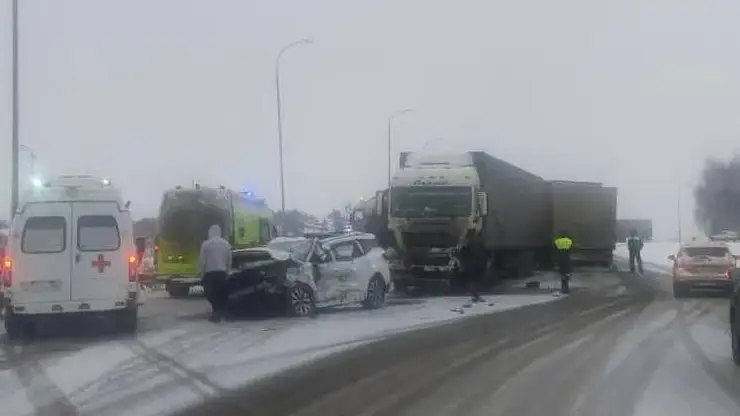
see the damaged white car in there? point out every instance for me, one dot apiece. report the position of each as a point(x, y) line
point(303, 274)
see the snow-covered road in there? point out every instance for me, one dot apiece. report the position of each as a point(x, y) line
point(642, 353)
point(176, 362)
point(179, 358)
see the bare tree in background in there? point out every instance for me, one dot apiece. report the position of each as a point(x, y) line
point(717, 196)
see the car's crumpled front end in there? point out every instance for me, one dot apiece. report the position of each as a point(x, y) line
point(265, 271)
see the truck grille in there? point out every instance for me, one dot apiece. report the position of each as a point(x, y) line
point(422, 258)
point(429, 239)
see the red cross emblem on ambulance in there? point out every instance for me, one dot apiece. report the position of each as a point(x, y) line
point(101, 263)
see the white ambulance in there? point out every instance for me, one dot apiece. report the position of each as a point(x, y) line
point(70, 252)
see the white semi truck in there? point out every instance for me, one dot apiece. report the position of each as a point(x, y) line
point(439, 203)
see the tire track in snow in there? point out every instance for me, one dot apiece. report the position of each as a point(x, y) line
point(716, 372)
point(196, 381)
point(45, 395)
point(610, 396)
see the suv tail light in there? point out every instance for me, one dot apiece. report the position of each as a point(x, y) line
point(6, 271)
point(132, 266)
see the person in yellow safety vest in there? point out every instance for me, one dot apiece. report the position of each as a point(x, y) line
point(563, 245)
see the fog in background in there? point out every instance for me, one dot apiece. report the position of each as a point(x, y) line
point(156, 93)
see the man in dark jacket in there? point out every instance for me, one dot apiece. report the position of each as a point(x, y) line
point(563, 245)
point(634, 246)
point(474, 259)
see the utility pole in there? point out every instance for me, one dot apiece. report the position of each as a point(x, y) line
point(15, 147)
point(280, 115)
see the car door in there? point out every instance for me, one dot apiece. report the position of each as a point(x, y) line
point(43, 261)
point(325, 278)
point(375, 260)
point(347, 259)
point(334, 268)
point(100, 268)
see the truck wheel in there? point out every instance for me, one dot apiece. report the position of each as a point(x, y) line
point(300, 301)
point(127, 320)
point(178, 292)
point(401, 288)
point(375, 296)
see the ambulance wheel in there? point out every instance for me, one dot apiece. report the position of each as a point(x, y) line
point(15, 326)
point(127, 320)
point(300, 301)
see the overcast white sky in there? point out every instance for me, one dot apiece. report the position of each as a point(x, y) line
point(156, 93)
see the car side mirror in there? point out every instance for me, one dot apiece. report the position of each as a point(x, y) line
point(671, 257)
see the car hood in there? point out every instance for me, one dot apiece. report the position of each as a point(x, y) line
point(257, 257)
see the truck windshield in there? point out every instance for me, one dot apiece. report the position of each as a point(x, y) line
point(431, 201)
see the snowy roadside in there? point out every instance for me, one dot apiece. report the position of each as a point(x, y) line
point(159, 372)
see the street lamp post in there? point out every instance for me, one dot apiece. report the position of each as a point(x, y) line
point(279, 115)
point(33, 157)
point(15, 144)
point(390, 139)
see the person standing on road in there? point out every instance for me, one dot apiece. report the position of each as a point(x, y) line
point(634, 246)
point(473, 258)
point(215, 266)
point(563, 245)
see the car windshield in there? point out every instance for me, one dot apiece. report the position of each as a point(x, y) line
point(431, 201)
point(706, 251)
point(298, 248)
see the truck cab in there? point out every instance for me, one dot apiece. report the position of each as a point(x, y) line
point(432, 203)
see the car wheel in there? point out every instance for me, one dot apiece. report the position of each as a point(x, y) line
point(300, 301)
point(375, 295)
point(127, 320)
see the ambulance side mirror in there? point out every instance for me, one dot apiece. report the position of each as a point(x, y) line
point(127, 204)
